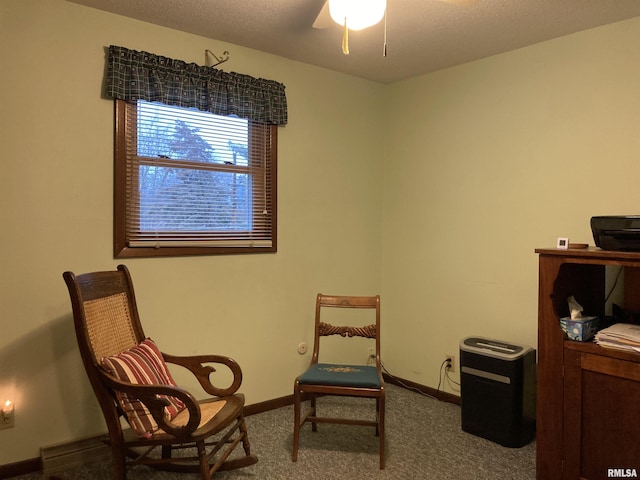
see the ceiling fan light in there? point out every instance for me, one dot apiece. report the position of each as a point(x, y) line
point(358, 14)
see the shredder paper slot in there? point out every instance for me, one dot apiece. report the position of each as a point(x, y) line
point(493, 348)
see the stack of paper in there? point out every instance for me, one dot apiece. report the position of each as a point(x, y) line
point(624, 336)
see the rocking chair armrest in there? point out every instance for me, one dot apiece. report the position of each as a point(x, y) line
point(196, 364)
point(150, 396)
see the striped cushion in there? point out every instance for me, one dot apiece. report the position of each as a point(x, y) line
point(142, 364)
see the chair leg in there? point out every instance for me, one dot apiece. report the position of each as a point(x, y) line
point(118, 456)
point(380, 426)
point(205, 470)
point(314, 425)
point(166, 451)
point(377, 417)
point(245, 436)
point(296, 423)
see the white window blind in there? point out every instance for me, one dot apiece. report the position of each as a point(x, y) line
point(193, 180)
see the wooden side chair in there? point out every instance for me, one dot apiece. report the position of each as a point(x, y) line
point(130, 379)
point(341, 379)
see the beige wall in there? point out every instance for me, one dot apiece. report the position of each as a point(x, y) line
point(433, 192)
point(485, 163)
point(56, 134)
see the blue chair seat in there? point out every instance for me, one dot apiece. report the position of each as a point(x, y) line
point(341, 375)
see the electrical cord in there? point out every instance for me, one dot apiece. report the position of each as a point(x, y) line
point(614, 285)
point(408, 387)
point(442, 365)
point(417, 390)
point(451, 380)
point(446, 376)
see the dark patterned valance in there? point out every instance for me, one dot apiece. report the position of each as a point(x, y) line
point(133, 75)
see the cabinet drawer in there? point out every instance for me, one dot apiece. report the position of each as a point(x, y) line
point(611, 366)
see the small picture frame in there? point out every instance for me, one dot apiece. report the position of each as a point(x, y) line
point(563, 243)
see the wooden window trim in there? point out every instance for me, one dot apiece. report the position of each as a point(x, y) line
point(122, 249)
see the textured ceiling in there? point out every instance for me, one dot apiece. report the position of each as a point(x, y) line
point(422, 35)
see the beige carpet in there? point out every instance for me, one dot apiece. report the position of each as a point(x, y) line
point(424, 441)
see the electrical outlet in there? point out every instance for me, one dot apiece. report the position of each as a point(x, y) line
point(450, 363)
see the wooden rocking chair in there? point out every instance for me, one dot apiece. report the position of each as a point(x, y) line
point(129, 377)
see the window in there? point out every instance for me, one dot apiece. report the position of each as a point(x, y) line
point(189, 182)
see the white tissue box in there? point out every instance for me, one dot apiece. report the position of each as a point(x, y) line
point(580, 329)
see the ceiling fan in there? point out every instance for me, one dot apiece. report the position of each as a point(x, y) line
point(359, 14)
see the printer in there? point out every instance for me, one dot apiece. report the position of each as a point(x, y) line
point(616, 232)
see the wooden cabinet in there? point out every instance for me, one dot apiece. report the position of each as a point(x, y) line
point(588, 399)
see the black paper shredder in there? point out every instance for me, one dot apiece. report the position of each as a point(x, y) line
point(498, 390)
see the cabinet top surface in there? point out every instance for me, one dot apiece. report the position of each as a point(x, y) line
point(594, 253)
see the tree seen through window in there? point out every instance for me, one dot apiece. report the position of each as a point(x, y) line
point(196, 188)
